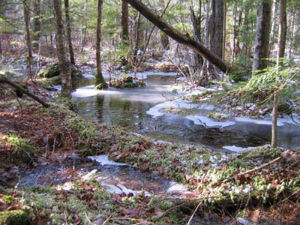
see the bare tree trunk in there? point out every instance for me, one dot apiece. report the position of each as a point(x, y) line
point(293, 31)
point(36, 25)
point(274, 142)
point(282, 29)
point(274, 22)
point(196, 18)
point(100, 82)
point(26, 4)
point(69, 36)
point(125, 23)
point(217, 28)
point(179, 37)
point(204, 70)
point(261, 50)
point(65, 71)
point(1, 52)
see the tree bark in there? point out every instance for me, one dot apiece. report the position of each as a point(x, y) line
point(69, 35)
point(196, 19)
point(100, 82)
point(263, 27)
point(61, 53)
point(274, 22)
point(125, 23)
point(282, 29)
point(36, 25)
point(179, 37)
point(274, 142)
point(26, 4)
point(217, 27)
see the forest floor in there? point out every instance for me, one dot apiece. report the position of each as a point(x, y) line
point(261, 186)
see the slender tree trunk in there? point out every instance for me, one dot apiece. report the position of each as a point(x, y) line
point(274, 22)
point(196, 18)
point(262, 40)
point(27, 35)
point(36, 25)
point(125, 23)
point(100, 82)
point(179, 37)
point(1, 52)
point(65, 71)
point(293, 31)
point(274, 142)
point(282, 29)
point(69, 36)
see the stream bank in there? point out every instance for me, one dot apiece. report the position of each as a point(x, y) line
point(59, 133)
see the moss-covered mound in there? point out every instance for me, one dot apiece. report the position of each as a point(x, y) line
point(54, 71)
point(126, 82)
point(14, 217)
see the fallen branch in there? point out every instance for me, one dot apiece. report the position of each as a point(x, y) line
point(6, 81)
point(178, 36)
point(260, 167)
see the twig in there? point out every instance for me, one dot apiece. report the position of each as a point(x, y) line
point(192, 216)
point(255, 169)
point(108, 219)
point(166, 212)
point(261, 167)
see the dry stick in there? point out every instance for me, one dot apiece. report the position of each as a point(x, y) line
point(256, 168)
point(190, 220)
point(4, 80)
point(261, 167)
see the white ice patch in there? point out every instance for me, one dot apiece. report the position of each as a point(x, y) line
point(104, 161)
point(157, 110)
point(89, 91)
point(88, 76)
point(234, 148)
point(207, 122)
point(121, 189)
point(176, 188)
point(259, 122)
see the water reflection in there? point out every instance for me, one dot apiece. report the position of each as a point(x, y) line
point(128, 107)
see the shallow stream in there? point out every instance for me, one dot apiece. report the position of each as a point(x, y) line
point(141, 110)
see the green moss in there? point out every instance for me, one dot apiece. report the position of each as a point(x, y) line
point(101, 86)
point(54, 71)
point(14, 217)
point(218, 116)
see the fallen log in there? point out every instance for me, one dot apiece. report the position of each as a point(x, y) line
point(6, 81)
point(178, 36)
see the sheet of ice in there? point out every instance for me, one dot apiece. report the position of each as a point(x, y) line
point(121, 189)
point(104, 161)
point(176, 187)
point(90, 91)
point(234, 148)
point(88, 76)
point(207, 122)
point(259, 122)
point(157, 110)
